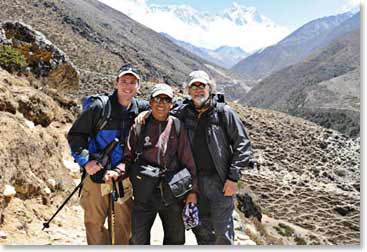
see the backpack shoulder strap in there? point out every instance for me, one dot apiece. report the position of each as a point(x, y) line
point(221, 117)
point(140, 133)
point(220, 111)
point(105, 113)
point(177, 123)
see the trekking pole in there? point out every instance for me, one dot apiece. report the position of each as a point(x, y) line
point(113, 199)
point(47, 224)
point(102, 160)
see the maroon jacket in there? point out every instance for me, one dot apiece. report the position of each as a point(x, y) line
point(163, 147)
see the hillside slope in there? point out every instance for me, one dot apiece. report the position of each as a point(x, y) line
point(324, 88)
point(297, 46)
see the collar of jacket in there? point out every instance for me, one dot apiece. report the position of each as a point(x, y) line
point(133, 105)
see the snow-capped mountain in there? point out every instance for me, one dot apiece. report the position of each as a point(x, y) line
point(241, 15)
point(297, 46)
point(236, 26)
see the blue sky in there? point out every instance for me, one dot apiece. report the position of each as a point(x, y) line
point(289, 13)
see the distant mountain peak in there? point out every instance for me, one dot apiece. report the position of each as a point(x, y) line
point(242, 15)
point(232, 26)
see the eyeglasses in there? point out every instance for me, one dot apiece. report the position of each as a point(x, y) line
point(159, 99)
point(200, 86)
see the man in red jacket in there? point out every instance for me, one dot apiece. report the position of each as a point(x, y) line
point(169, 150)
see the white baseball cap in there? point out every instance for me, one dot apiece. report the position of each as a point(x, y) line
point(199, 76)
point(162, 88)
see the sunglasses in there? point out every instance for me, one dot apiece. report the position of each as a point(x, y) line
point(200, 86)
point(129, 67)
point(159, 99)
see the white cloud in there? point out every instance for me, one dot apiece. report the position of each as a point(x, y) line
point(203, 29)
point(351, 5)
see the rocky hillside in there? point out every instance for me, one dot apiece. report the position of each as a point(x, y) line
point(309, 176)
point(99, 39)
point(324, 88)
point(297, 46)
point(296, 158)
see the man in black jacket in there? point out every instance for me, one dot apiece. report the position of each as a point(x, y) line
point(221, 149)
point(95, 195)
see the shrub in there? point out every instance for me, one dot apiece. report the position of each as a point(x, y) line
point(11, 59)
point(300, 240)
point(284, 230)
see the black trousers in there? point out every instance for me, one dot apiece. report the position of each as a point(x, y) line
point(144, 214)
point(215, 213)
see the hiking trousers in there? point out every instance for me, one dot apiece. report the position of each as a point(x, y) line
point(97, 208)
point(215, 213)
point(143, 217)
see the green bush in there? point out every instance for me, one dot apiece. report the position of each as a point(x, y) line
point(300, 240)
point(11, 59)
point(284, 230)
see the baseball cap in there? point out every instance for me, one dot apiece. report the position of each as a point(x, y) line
point(199, 76)
point(129, 69)
point(162, 88)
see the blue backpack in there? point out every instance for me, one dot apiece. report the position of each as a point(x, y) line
point(105, 114)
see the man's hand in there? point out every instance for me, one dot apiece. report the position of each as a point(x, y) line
point(191, 198)
point(110, 175)
point(140, 119)
point(230, 188)
point(92, 167)
point(121, 167)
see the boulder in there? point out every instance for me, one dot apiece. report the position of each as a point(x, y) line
point(9, 191)
point(3, 235)
point(247, 205)
point(43, 59)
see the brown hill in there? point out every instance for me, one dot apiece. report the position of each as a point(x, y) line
point(324, 88)
point(308, 176)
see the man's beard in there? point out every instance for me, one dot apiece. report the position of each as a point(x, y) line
point(199, 101)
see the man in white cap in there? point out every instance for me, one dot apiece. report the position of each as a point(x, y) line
point(162, 144)
point(221, 149)
point(87, 142)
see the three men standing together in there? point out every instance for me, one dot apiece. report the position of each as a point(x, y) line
point(211, 143)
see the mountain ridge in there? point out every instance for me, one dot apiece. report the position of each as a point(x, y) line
point(294, 48)
point(224, 56)
point(324, 88)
